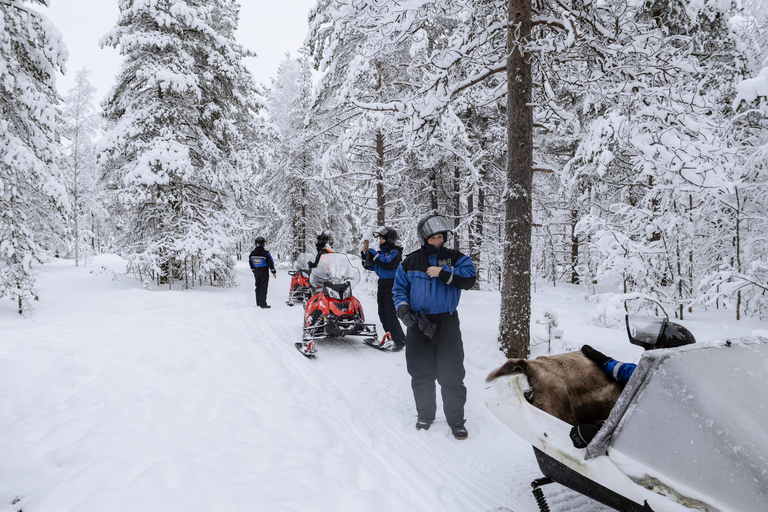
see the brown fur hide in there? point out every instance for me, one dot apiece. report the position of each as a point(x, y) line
point(568, 386)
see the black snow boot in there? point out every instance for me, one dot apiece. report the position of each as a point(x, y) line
point(459, 432)
point(423, 424)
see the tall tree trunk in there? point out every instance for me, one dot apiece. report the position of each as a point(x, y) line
point(433, 189)
point(456, 205)
point(574, 247)
point(737, 244)
point(75, 200)
point(515, 322)
point(380, 204)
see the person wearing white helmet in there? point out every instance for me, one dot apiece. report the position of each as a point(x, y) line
point(427, 290)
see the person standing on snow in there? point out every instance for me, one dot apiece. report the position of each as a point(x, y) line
point(321, 243)
point(385, 262)
point(261, 264)
point(426, 292)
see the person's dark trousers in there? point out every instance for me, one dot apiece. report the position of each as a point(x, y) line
point(441, 359)
point(387, 314)
point(261, 276)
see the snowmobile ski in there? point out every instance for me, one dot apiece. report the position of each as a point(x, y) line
point(306, 348)
point(386, 342)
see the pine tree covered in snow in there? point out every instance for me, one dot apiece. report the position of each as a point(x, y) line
point(293, 172)
point(183, 109)
point(80, 125)
point(32, 199)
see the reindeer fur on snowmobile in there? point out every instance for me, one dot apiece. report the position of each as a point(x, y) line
point(568, 386)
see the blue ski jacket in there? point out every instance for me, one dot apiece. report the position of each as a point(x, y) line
point(261, 258)
point(618, 371)
point(384, 261)
point(414, 287)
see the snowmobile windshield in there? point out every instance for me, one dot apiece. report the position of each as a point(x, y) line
point(645, 331)
point(302, 261)
point(334, 268)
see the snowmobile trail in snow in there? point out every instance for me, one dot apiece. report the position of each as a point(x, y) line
point(353, 384)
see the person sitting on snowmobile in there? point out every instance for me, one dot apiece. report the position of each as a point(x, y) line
point(385, 262)
point(649, 333)
point(321, 243)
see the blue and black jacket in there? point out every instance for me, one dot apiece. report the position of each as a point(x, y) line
point(414, 287)
point(384, 261)
point(618, 371)
point(261, 259)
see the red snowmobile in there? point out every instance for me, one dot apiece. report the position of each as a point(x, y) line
point(300, 290)
point(333, 311)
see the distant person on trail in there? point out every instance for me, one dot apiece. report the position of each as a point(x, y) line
point(322, 245)
point(385, 262)
point(427, 290)
point(261, 265)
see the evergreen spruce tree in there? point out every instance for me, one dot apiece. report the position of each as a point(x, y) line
point(32, 198)
point(183, 109)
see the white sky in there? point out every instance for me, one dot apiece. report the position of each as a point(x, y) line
point(270, 28)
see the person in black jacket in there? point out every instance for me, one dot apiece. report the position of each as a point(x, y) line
point(321, 243)
point(385, 262)
point(261, 264)
point(427, 290)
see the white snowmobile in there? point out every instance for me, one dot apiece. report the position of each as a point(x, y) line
point(689, 431)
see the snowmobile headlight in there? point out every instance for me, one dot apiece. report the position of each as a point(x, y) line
point(338, 291)
point(332, 293)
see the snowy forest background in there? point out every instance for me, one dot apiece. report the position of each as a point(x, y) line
point(648, 128)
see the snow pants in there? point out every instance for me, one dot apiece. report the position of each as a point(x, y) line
point(261, 276)
point(387, 314)
point(440, 358)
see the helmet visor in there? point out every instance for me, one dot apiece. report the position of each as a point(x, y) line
point(381, 232)
point(433, 225)
point(645, 331)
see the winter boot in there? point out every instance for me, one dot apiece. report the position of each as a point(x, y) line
point(459, 432)
point(423, 424)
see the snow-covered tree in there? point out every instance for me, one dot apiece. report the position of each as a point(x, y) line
point(80, 125)
point(32, 198)
point(291, 189)
point(183, 109)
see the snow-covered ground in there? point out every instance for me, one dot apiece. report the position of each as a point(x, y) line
point(115, 398)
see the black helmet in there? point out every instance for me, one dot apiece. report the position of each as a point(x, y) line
point(260, 241)
point(322, 238)
point(654, 332)
point(388, 234)
point(431, 225)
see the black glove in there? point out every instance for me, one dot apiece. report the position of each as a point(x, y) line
point(598, 357)
point(405, 313)
point(582, 434)
point(425, 326)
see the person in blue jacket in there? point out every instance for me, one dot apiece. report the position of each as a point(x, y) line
point(385, 262)
point(427, 290)
point(261, 264)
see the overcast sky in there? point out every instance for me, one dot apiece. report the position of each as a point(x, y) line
point(269, 27)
